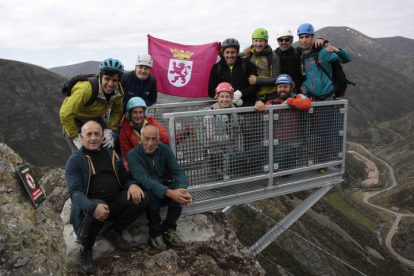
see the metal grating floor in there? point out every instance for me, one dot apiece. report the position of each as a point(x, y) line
point(237, 189)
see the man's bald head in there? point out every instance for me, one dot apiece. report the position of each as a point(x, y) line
point(150, 138)
point(151, 128)
point(88, 123)
point(92, 135)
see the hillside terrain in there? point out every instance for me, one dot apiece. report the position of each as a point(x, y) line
point(29, 109)
point(384, 77)
point(87, 67)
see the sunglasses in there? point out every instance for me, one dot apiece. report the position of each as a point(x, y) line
point(283, 39)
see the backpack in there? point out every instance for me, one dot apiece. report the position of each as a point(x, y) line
point(92, 78)
point(338, 79)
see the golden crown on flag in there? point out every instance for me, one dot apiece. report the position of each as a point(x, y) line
point(181, 54)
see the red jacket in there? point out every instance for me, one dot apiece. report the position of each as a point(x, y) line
point(288, 127)
point(299, 101)
point(128, 139)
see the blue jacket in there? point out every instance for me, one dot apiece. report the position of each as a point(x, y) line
point(317, 82)
point(78, 175)
point(150, 170)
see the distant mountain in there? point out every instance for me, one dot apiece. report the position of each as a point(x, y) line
point(399, 44)
point(29, 112)
point(384, 78)
point(87, 67)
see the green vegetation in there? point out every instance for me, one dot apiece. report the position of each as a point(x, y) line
point(383, 125)
point(358, 198)
point(350, 212)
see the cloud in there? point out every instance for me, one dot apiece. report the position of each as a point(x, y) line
point(77, 28)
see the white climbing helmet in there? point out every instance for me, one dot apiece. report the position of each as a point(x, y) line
point(284, 32)
point(144, 59)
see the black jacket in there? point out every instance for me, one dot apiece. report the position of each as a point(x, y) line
point(238, 77)
point(291, 65)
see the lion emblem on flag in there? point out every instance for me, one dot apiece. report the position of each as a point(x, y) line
point(179, 72)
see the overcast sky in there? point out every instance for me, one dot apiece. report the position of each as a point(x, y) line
point(56, 33)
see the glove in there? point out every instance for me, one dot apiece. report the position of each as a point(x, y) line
point(237, 98)
point(239, 102)
point(108, 141)
point(77, 142)
point(237, 95)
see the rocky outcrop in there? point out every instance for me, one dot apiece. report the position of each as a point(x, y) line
point(31, 241)
point(212, 249)
point(54, 185)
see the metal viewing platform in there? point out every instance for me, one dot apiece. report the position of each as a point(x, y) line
point(237, 155)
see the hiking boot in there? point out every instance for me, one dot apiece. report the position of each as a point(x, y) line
point(86, 265)
point(116, 239)
point(173, 239)
point(158, 243)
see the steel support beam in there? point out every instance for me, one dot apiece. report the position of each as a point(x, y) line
point(287, 221)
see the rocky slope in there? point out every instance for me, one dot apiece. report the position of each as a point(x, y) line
point(39, 242)
point(329, 233)
point(400, 155)
point(384, 75)
point(31, 240)
point(29, 112)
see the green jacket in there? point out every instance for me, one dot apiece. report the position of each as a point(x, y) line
point(150, 170)
point(73, 107)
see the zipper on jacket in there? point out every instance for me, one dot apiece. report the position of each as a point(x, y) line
point(91, 168)
point(114, 167)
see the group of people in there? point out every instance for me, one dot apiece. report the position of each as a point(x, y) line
point(121, 168)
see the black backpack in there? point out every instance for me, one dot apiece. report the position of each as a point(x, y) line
point(339, 80)
point(92, 78)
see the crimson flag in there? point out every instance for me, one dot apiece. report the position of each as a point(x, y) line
point(182, 70)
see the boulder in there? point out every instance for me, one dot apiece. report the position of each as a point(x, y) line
point(31, 241)
point(212, 249)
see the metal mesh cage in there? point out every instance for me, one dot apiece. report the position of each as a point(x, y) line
point(223, 147)
point(305, 138)
point(220, 148)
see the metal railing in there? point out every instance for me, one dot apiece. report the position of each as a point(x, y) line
point(237, 155)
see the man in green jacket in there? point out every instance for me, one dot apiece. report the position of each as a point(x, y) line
point(148, 164)
point(75, 110)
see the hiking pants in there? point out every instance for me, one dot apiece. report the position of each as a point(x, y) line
point(122, 211)
point(153, 213)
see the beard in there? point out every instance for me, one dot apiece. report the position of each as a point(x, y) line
point(284, 96)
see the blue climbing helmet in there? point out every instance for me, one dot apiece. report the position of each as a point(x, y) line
point(285, 78)
point(132, 103)
point(113, 65)
point(306, 28)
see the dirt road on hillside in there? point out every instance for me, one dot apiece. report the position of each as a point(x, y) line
point(397, 215)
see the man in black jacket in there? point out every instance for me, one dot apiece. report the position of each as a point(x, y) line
point(290, 57)
point(100, 189)
point(235, 70)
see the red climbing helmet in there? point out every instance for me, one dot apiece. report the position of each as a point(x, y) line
point(224, 87)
